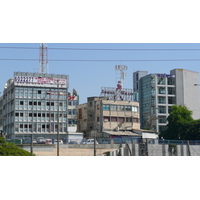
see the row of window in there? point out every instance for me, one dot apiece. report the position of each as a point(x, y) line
point(38, 103)
point(40, 127)
point(119, 108)
point(162, 100)
point(30, 114)
point(120, 119)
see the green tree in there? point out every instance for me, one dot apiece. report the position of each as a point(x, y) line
point(179, 115)
point(190, 130)
point(8, 149)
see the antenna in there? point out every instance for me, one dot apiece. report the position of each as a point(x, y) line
point(43, 58)
point(121, 68)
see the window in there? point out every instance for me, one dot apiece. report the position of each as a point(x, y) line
point(48, 103)
point(39, 103)
point(39, 92)
point(161, 109)
point(113, 119)
point(30, 103)
point(69, 112)
point(52, 103)
point(17, 114)
point(127, 108)
point(106, 119)
point(39, 114)
point(171, 100)
point(113, 107)
point(134, 109)
point(162, 100)
point(128, 119)
point(30, 115)
point(135, 120)
point(60, 104)
point(162, 120)
point(106, 107)
point(21, 103)
point(161, 81)
point(43, 114)
point(21, 114)
point(121, 119)
point(161, 90)
point(35, 114)
point(35, 103)
point(120, 108)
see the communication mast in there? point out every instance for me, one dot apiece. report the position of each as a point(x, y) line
point(122, 74)
point(43, 68)
point(118, 93)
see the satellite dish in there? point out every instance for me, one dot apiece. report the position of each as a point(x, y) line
point(75, 92)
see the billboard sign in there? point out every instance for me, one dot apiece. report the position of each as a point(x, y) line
point(44, 81)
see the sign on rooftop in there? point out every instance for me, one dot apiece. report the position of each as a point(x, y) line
point(44, 81)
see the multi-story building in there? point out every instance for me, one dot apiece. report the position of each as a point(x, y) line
point(34, 103)
point(158, 92)
point(107, 117)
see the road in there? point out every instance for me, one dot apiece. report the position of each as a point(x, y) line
point(72, 152)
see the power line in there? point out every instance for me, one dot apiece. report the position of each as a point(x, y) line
point(98, 49)
point(63, 60)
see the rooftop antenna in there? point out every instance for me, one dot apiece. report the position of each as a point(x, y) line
point(122, 76)
point(43, 58)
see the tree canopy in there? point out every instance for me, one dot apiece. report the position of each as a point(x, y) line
point(181, 124)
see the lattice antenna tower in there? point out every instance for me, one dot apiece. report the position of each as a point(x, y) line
point(43, 68)
point(122, 74)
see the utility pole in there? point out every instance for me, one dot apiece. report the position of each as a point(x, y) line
point(58, 135)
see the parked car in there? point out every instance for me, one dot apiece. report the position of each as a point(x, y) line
point(41, 140)
point(103, 141)
point(60, 142)
point(26, 141)
point(73, 142)
point(34, 141)
point(48, 141)
point(90, 141)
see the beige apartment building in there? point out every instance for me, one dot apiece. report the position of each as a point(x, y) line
point(107, 118)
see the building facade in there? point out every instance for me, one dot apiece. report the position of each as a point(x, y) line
point(102, 115)
point(35, 103)
point(158, 92)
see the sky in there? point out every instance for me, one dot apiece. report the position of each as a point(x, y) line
point(87, 77)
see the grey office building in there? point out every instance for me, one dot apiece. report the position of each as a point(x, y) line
point(33, 103)
point(158, 92)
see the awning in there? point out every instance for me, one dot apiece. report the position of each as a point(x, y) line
point(121, 133)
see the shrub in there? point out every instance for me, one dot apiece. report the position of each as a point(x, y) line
point(9, 149)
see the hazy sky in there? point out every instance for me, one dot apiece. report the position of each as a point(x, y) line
point(87, 77)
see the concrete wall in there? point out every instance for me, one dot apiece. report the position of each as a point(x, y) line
point(159, 150)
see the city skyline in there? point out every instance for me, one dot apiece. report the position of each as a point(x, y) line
point(91, 66)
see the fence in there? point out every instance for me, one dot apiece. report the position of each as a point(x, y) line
point(123, 140)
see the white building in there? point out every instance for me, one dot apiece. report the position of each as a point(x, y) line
point(158, 92)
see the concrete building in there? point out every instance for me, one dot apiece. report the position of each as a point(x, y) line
point(33, 103)
point(109, 118)
point(158, 92)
